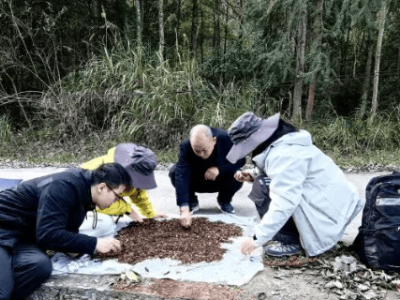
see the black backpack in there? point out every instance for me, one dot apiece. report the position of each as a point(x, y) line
point(378, 241)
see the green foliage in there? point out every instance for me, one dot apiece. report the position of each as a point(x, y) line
point(5, 128)
point(92, 82)
point(351, 136)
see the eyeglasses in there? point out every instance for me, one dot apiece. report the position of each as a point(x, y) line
point(116, 195)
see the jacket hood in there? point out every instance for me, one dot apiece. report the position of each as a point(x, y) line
point(301, 137)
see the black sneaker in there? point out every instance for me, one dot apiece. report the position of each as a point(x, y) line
point(226, 208)
point(279, 249)
point(194, 207)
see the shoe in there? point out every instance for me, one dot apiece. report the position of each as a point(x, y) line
point(279, 249)
point(194, 207)
point(226, 208)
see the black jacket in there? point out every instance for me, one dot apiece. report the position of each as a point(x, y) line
point(48, 211)
point(190, 165)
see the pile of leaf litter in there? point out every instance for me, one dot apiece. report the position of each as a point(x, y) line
point(340, 272)
point(168, 239)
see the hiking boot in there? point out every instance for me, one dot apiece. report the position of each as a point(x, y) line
point(279, 249)
point(226, 208)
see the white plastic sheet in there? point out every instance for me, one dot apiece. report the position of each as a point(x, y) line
point(234, 268)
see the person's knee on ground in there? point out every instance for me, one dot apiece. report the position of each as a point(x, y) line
point(6, 275)
point(30, 271)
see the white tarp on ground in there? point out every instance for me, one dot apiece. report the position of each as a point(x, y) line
point(234, 268)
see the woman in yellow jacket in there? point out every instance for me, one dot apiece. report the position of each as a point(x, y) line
point(140, 163)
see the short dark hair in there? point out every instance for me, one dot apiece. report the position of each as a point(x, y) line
point(112, 174)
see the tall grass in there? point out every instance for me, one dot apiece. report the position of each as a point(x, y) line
point(129, 95)
point(353, 135)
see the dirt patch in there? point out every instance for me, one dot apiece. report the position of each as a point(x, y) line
point(293, 261)
point(172, 289)
point(168, 239)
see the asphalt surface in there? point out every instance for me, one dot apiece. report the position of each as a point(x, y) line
point(163, 197)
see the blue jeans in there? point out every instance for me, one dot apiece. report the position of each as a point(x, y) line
point(23, 270)
point(260, 196)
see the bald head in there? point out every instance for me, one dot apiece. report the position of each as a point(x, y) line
point(202, 141)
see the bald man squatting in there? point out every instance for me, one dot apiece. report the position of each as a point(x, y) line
point(203, 168)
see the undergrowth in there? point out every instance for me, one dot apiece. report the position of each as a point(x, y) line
point(129, 95)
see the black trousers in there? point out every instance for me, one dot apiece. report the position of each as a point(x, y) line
point(260, 196)
point(23, 270)
point(226, 186)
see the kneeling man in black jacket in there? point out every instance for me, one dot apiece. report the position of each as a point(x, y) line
point(46, 213)
point(203, 168)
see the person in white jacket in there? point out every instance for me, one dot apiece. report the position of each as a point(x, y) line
point(303, 198)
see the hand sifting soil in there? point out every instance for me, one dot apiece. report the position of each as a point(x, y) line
point(168, 239)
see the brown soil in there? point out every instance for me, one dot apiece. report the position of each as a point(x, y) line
point(171, 289)
point(168, 239)
point(292, 261)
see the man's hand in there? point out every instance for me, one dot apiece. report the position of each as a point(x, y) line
point(160, 215)
point(247, 246)
point(106, 245)
point(211, 173)
point(242, 176)
point(186, 217)
point(135, 216)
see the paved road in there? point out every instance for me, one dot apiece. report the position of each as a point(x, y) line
point(163, 196)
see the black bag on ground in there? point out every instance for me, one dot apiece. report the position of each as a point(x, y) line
point(378, 241)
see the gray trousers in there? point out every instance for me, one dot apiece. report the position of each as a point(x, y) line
point(260, 196)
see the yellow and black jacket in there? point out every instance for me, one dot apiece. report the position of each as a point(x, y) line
point(138, 197)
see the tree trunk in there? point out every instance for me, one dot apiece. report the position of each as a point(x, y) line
point(177, 26)
point(381, 18)
point(161, 26)
point(317, 38)
point(365, 87)
point(216, 37)
point(201, 35)
point(138, 23)
point(347, 65)
point(300, 61)
point(195, 17)
point(398, 64)
point(225, 39)
point(398, 73)
point(311, 96)
point(95, 10)
point(178, 18)
point(240, 37)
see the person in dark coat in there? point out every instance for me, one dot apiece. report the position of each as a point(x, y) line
point(46, 213)
point(202, 167)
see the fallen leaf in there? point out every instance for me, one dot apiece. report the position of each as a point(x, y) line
point(369, 294)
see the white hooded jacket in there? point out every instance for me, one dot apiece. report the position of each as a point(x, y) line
point(307, 185)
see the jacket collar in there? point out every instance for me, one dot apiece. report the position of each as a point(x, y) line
point(301, 137)
point(86, 176)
